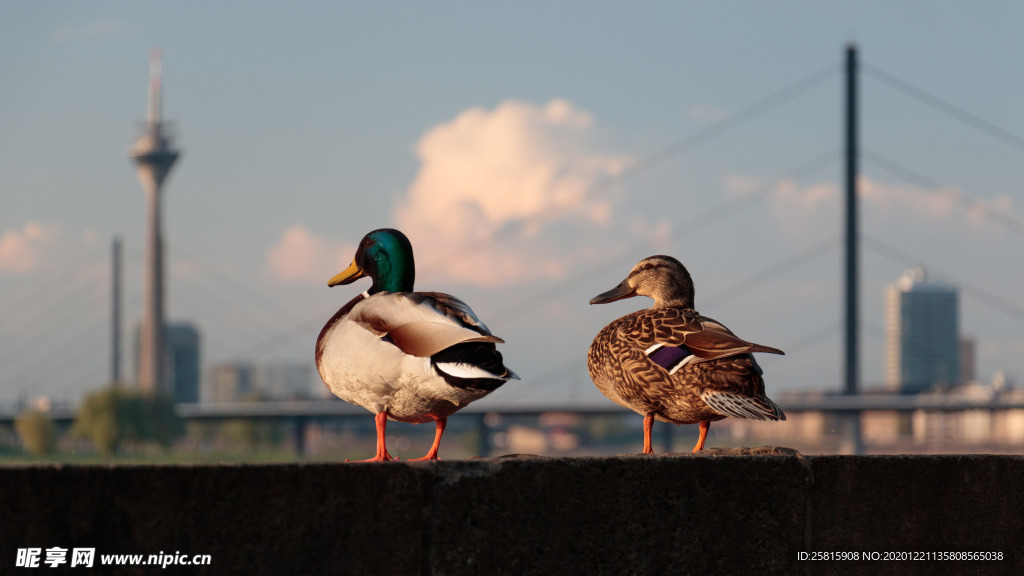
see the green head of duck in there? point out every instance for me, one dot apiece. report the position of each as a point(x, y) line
point(385, 255)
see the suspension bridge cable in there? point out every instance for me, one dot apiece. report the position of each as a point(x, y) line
point(810, 339)
point(235, 287)
point(281, 338)
point(691, 226)
point(965, 202)
point(945, 107)
point(572, 366)
point(203, 296)
point(73, 330)
point(46, 291)
point(72, 360)
point(772, 272)
point(76, 347)
point(222, 306)
point(223, 327)
point(61, 314)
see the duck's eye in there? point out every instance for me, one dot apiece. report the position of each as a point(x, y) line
point(648, 266)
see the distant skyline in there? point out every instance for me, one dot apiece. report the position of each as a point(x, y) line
point(531, 152)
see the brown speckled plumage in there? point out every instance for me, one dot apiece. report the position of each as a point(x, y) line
point(626, 374)
point(715, 374)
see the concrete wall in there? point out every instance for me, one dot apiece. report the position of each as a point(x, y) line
point(725, 511)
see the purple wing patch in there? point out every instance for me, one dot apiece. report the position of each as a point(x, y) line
point(668, 357)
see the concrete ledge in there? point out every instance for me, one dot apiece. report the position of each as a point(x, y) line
point(725, 511)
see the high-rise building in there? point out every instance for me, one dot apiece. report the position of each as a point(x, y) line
point(968, 358)
point(922, 333)
point(181, 360)
point(182, 343)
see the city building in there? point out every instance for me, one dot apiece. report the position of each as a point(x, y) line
point(244, 381)
point(968, 356)
point(998, 429)
point(181, 360)
point(922, 334)
point(285, 380)
point(231, 382)
point(181, 341)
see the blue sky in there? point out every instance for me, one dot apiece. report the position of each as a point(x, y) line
point(481, 131)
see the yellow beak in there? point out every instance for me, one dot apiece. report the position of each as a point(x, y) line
point(350, 274)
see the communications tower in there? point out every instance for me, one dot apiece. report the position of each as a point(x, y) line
point(154, 155)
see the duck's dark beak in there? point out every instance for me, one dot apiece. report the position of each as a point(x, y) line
point(623, 290)
point(349, 275)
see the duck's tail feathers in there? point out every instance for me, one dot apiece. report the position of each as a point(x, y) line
point(473, 365)
point(740, 406)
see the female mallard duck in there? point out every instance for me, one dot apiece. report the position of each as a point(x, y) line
point(403, 355)
point(671, 364)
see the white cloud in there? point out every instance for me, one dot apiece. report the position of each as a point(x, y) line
point(25, 251)
point(519, 165)
point(102, 28)
point(300, 256)
point(815, 207)
point(1000, 207)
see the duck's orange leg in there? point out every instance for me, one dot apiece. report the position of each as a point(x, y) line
point(432, 454)
point(382, 449)
point(704, 427)
point(648, 427)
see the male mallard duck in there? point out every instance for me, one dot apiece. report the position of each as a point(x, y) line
point(671, 364)
point(403, 355)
